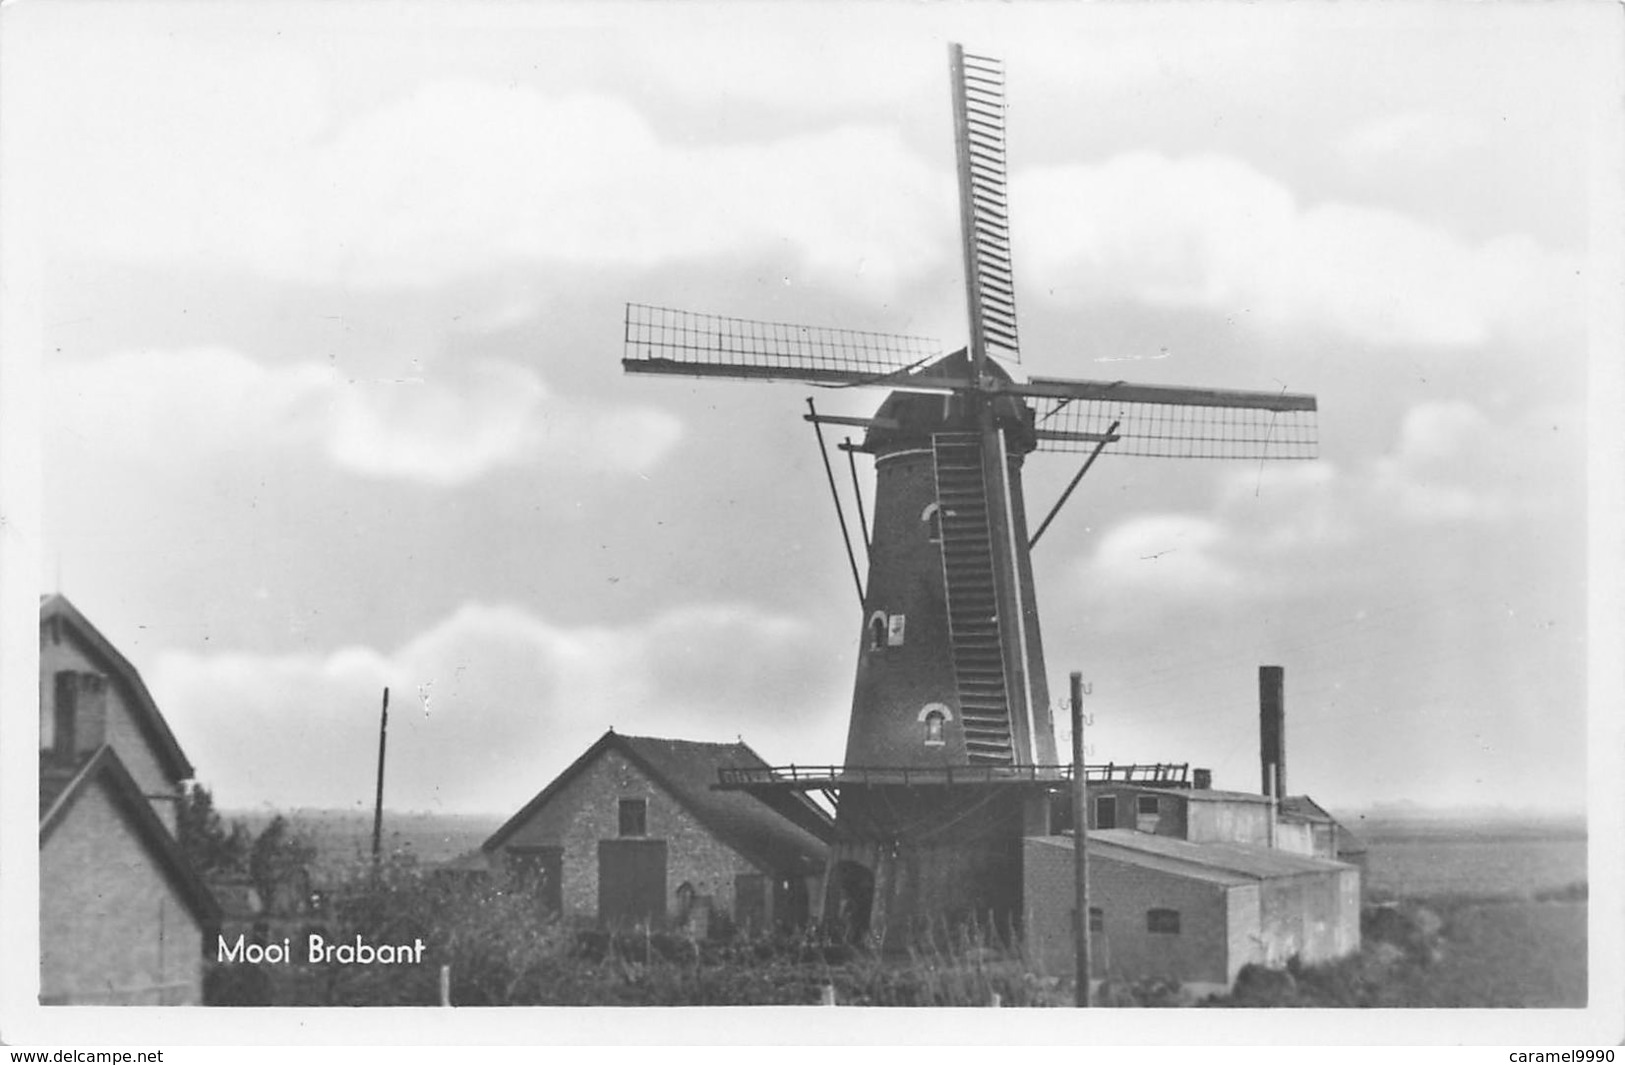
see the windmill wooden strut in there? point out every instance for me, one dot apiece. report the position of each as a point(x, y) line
point(950, 747)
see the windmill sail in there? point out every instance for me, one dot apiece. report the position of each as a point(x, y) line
point(1155, 421)
point(978, 88)
point(661, 340)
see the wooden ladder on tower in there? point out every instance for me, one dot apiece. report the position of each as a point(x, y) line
point(973, 622)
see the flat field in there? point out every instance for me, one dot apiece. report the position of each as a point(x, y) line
point(1511, 935)
point(1493, 859)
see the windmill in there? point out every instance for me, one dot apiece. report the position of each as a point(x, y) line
point(950, 748)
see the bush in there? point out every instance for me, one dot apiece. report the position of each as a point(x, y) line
point(1578, 891)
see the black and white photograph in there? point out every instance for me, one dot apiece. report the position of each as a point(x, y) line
point(970, 522)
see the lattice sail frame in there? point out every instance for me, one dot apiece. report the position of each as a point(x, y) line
point(978, 87)
point(658, 336)
point(1177, 430)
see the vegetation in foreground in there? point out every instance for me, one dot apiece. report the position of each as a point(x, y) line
point(1448, 952)
point(1461, 952)
point(1503, 950)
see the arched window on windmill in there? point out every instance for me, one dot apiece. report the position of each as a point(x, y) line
point(932, 516)
point(877, 630)
point(932, 717)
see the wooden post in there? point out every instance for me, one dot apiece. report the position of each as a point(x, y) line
point(378, 800)
point(445, 985)
point(827, 995)
point(1080, 847)
point(840, 515)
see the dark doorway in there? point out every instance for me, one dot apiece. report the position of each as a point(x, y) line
point(854, 899)
point(632, 882)
point(1105, 812)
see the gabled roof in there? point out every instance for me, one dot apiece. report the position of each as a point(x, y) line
point(687, 770)
point(1303, 808)
point(56, 772)
point(104, 767)
point(120, 671)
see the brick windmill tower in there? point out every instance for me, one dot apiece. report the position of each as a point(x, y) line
point(950, 755)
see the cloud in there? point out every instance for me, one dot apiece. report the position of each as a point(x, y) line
point(1451, 462)
point(1173, 554)
point(461, 177)
point(1415, 137)
point(486, 705)
point(462, 421)
point(1215, 233)
point(1288, 529)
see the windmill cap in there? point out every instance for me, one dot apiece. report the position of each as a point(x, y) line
point(909, 419)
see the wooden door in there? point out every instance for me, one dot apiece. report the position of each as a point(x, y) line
point(631, 882)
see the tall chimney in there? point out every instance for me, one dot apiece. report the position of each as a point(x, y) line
point(1272, 730)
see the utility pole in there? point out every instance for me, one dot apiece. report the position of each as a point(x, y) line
point(1080, 846)
point(378, 800)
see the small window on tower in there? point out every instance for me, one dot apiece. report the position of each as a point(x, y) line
point(932, 516)
point(634, 817)
point(894, 629)
point(877, 630)
point(932, 718)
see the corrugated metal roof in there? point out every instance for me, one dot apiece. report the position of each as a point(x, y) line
point(1107, 850)
point(1259, 863)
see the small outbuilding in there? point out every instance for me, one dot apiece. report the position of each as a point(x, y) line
point(635, 832)
point(1307, 828)
point(1192, 913)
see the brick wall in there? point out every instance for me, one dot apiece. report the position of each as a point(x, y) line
point(1198, 955)
point(112, 929)
point(587, 810)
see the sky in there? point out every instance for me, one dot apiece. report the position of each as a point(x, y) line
point(328, 319)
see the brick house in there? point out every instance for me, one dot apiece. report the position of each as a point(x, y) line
point(633, 832)
point(122, 913)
